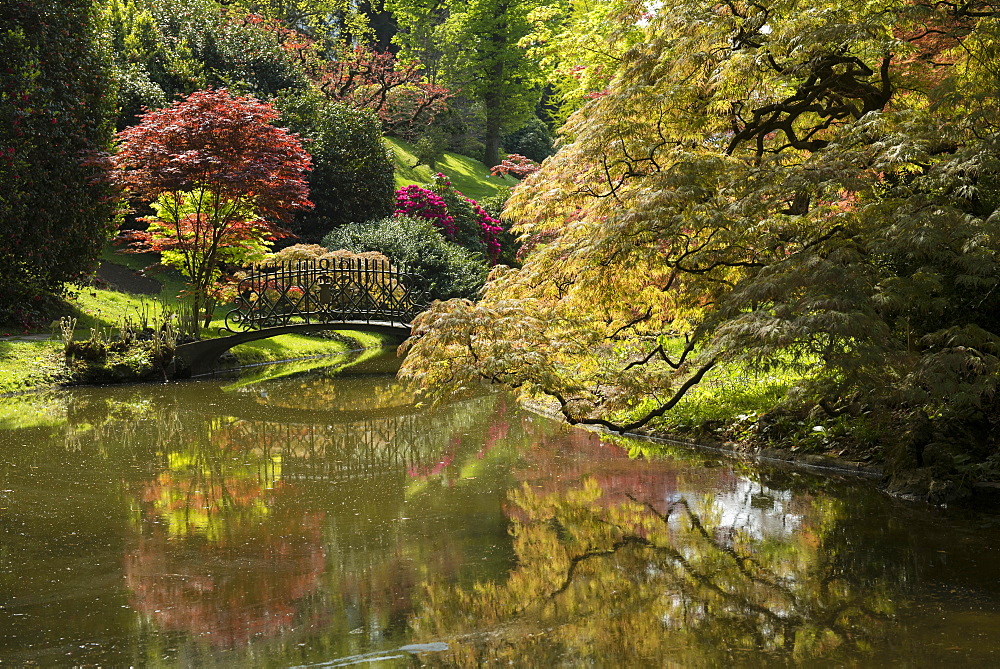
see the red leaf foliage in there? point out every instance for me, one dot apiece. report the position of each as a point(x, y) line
point(368, 79)
point(515, 165)
point(215, 141)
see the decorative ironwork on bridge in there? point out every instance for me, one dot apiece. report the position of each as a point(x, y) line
point(326, 291)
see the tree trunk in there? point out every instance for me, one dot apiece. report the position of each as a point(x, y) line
point(492, 154)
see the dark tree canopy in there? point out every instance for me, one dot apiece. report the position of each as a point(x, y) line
point(352, 176)
point(56, 210)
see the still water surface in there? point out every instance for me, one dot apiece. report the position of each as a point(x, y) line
point(319, 519)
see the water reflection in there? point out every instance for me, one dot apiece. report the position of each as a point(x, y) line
point(298, 520)
point(715, 579)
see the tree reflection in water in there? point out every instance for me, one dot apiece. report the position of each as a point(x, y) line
point(622, 581)
point(208, 526)
point(260, 531)
point(254, 525)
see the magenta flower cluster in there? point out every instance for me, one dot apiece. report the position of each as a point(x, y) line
point(423, 203)
point(491, 231)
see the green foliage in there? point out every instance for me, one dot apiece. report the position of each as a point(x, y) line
point(56, 207)
point(474, 46)
point(578, 45)
point(430, 147)
point(330, 21)
point(166, 48)
point(352, 176)
point(494, 203)
point(532, 140)
point(170, 215)
point(448, 269)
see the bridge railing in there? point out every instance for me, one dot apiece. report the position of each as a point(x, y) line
point(326, 291)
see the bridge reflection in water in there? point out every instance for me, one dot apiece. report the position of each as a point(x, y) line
point(360, 449)
point(285, 523)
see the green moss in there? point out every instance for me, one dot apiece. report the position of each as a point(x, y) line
point(28, 365)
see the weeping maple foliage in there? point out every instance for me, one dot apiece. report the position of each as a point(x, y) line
point(763, 186)
point(221, 177)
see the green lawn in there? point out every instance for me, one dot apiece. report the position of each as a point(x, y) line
point(468, 175)
point(29, 365)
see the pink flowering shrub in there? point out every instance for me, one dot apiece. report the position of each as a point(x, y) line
point(491, 230)
point(461, 219)
point(423, 203)
point(515, 165)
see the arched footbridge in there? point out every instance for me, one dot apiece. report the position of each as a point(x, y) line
point(311, 296)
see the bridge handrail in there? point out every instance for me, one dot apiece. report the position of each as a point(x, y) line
point(326, 291)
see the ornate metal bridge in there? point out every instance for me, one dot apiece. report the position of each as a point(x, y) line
point(314, 295)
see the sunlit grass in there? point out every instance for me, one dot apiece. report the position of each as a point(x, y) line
point(468, 175)
point(293, 346)
point(730, 395)
point(271, 372)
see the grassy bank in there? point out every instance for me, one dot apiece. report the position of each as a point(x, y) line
point(466, 174)
point(32, 365)
point(292, 347)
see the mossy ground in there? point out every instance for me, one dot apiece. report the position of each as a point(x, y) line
point(29, 365)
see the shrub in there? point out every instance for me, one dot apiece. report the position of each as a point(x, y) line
point(533, 140)
point(290, 255)
point(459, 218)
point(475, 229)
point(494, 203)
point(516, 166)
point(430, 147)
point(352, 176)
point(424, 203)
point(509, 246)
point(447, 270)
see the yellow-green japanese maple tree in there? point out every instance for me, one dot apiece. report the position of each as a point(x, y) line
point(803, 185)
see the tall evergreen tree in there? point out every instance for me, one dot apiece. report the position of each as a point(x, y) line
point(56, 210)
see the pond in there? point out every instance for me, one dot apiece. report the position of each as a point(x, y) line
point(317, 518)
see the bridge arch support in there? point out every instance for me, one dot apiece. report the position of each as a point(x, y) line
point(201, 357)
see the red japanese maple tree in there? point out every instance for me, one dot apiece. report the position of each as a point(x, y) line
point(221, 179)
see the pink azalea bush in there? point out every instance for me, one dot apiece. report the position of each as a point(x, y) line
point(461, 219)
point(423, 203)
